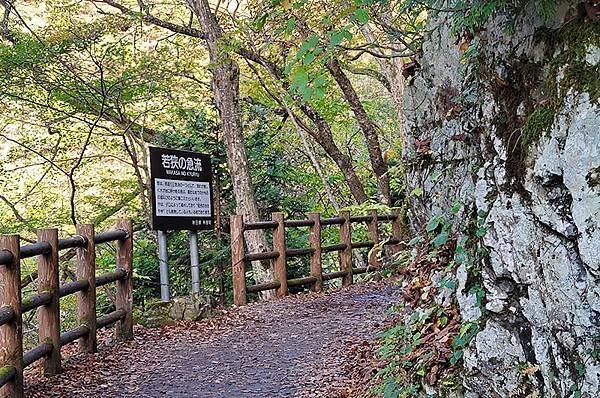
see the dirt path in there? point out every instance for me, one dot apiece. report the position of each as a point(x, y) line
point(283, 348)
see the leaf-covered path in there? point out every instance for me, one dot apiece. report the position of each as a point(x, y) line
point(301, 346)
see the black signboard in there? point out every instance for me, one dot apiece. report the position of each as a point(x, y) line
point(181, 190)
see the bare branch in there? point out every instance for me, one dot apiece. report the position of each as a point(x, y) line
point(13, 209)
point(147, 17)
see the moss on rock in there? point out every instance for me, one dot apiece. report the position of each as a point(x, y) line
point(538, 122)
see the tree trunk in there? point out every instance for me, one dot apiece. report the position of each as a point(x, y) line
point(225, 86)
point(315, 162)
point(392, 69)
point(378, 164)
point(322, 134)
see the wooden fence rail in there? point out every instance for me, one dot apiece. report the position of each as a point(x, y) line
point(280, 252)
point(12, 358)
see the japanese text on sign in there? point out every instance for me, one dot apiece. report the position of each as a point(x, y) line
point(176, 198)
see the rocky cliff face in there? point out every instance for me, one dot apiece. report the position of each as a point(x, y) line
point(513, 136)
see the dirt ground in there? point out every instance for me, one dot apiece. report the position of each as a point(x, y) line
point(308, 345)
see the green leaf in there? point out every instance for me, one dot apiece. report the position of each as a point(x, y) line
point(440, 240)
point(448, 283)
point(319, 93)
point(313, 41)
point(418, 191)
point(390, 390)
point(259, 23)
point(308, 45)
point(306, 92)
point(455, 207)
point(416, 240)
point(298, 5)
point(456, 356)
point(362, 16)
point(319, 81)
point(481, 232)
point(291, 25)
point(337, 37)
point(461, 256)
point(308, 58)
point(299, 79)
point(432, 224)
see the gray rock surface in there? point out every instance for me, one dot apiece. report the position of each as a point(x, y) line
point(540, 326)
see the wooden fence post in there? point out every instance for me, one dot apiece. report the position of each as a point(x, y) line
point(49, 314)
point(280, 263)
point(124, 299)
point(346, 254)
point(86, 299)
point(316, 261)
point(373, 232)
point(11, 334)
point(238, 260)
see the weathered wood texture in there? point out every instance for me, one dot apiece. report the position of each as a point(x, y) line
point(280, 252)
point(238, 260)
point(346, 254)
point(49, 314)
point(11, 333)
point(12, 305)
point(124, 297)
point(280, 263)
point(373, 232)
point(316, 259)
point(86, 299)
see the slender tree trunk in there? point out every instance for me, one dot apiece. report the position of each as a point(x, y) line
point(313, 159)
point(322, 131)
point(225, 85)
point(378, 164)
point(322, 134)
point(392, 70)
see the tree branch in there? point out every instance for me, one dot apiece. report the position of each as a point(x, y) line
point(13, 209)
point(147, 17)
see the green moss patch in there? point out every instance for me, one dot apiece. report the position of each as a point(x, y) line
point(567, 49)
point(539, 122)
point(569, 69)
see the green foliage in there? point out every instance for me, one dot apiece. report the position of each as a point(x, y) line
point(467, 332)
point(538, 122)
point(569, 68)
point(469, 17)
point(127, 85)
point(450, 239)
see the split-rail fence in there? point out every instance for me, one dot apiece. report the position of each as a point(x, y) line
point(47, 302)
point(280, 252)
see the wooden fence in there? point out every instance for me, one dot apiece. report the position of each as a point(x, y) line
point(280, 252)
point(12, 358)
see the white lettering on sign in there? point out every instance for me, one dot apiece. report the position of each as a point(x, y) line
point(175, 162)
point(182, 198)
